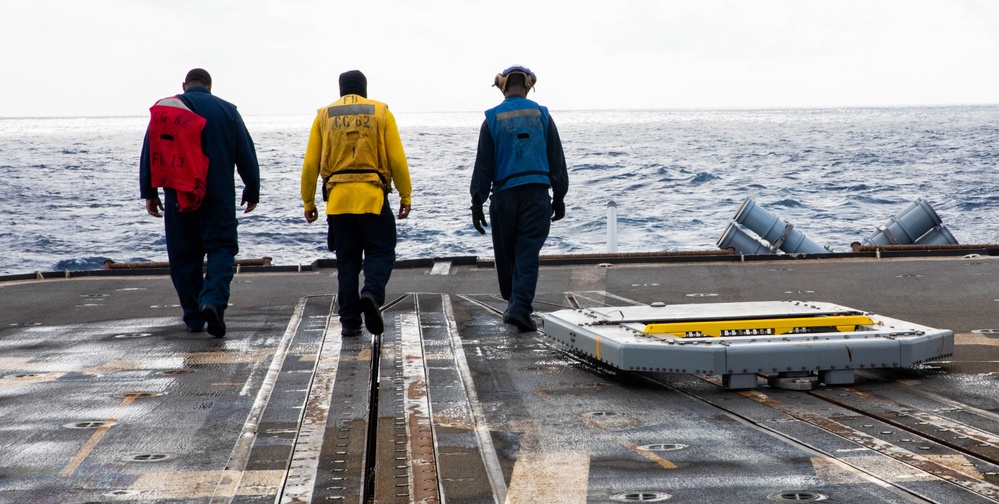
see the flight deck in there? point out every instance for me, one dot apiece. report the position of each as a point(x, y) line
point(104, 397)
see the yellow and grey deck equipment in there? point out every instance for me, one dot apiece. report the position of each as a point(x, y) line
point(810, 342)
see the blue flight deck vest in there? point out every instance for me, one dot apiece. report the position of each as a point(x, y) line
point(519, 128)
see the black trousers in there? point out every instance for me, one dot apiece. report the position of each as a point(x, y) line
point(363, 242)
point(521, 220)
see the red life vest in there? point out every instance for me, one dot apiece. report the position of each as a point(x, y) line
point(176, 159)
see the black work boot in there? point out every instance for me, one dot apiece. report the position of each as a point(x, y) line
point(372, 315)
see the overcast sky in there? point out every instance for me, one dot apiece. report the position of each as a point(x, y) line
point(116, 57)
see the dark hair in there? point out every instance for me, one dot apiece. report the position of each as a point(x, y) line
point(198, 75)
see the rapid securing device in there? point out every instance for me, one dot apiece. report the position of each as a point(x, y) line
point(820, 341)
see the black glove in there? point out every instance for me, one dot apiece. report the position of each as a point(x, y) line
point(558, 210)
point(479, 219)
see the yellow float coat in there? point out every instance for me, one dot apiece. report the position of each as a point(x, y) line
point(355, 144)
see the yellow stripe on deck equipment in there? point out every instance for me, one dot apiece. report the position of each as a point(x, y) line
point(748, 327)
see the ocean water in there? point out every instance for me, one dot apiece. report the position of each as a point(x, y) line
point(69, 192)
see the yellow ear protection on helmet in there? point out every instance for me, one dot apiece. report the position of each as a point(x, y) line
point(530, 79)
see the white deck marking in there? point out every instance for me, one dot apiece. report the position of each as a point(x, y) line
point(535, 473)
point(225, 489)
point(441, 268)
point(486, 448)
point(416, 401)
point(309, 443)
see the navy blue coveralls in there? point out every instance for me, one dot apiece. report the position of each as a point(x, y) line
point(211, 229)
point(519, 170)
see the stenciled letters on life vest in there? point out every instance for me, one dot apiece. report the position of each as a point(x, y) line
point(176, 160)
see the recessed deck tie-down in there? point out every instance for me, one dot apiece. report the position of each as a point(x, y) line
point(794, 344)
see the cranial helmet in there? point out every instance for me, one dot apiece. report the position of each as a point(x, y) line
point(529, 78)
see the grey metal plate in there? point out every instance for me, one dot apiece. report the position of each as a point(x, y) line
point(615, 336)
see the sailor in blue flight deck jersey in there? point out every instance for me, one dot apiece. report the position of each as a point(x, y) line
point(519, 158)
point(209, 228)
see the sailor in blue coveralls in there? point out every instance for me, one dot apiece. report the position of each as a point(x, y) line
point(210, 229)
point(519, 158)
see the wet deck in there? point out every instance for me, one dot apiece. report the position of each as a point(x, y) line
point(105, 398)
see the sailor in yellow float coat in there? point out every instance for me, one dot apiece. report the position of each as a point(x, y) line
point(326, 155)
point(355, 148)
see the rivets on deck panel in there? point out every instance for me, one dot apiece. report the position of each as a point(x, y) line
point(149, 457)
point(122, 493)
point(642, 496)
point(601, 413)
point(663, 447)
point(132, 335)
point(797, 496)
point(90, 424)
point(135, 395)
